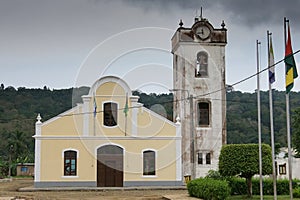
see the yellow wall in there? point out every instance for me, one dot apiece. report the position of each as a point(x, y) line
point(165, 160)
point(152, 125)
point(52, 159)
point(70, 124)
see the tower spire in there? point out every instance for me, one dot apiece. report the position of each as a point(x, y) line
point(201, 13)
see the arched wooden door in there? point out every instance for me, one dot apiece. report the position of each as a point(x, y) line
point(110, 166)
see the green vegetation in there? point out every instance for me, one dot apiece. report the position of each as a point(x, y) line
point(242, 116)
point(239, 187)
point(208, 189)
point(19, 108)
point(296, 132)
point(296, 192)
point(18, 112)
point(242, 160)
point(266, 197)
point(150, 100)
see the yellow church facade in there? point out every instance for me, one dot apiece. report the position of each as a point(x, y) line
point(109, 140)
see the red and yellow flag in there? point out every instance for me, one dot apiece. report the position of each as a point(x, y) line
point(290, 64)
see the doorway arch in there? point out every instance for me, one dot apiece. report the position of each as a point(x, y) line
point(110, 166)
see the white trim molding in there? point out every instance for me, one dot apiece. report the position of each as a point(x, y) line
point(70, 149)
point(155, 158)
point(118, 117)
point(69, 177)
point(37, 160)
point(109, 143)
point(37, 156)
point(178, 161)
point(86, 103)
point(105, 138)
point(107, 79)
point(134, 118)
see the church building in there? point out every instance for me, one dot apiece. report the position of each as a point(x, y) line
point(112, 140)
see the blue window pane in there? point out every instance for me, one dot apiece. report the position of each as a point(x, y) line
point(24, 169)
point(70, 163)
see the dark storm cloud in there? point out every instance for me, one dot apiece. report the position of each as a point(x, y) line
point(245, 12)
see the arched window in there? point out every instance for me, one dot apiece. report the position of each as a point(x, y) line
point(208, 159)
point(203, 114)
point(148, 162)
point(70, 163)
point(110, 114)
point(200, 158)
point(202, 64)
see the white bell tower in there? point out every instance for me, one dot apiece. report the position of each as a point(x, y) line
point(200, 94)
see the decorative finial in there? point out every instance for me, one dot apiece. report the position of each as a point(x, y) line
point(223, 24)
point(180, 23)
point(39, 118)
point(177, 120)
point(201, 13)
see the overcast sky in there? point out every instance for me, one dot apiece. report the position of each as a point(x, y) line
point(67, 43)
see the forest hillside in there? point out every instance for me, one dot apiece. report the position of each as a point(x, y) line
point(19, 108)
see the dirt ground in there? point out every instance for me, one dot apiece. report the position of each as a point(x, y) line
point(10, 189)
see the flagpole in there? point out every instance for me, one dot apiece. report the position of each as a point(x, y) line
point(126, 112)
point(126, 125)
point(270, 64)
point(288, 131)
point(95, 113)
point(259, 123)
point(94, 125)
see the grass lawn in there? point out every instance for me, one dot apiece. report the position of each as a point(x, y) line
point(279, 197)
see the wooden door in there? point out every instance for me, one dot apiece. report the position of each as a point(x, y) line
point(110, 167)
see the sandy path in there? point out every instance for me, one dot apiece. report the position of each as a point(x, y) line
point(9, 189)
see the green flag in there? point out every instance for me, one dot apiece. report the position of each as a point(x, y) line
point(126, 106)
point(290, 64)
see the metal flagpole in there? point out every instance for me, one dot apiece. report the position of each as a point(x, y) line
point(270, 64)
point(95, 113)
point(259, 123)
point(94, 125)
point(126, 112)
point(125, 125)
point(288, 129)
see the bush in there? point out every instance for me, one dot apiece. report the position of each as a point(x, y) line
point(208, 189)
point(239, 187)
point(296, 192)
point(214, 174)
point(283, 187)
point(267, 186)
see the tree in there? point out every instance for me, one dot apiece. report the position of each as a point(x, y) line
point(296, 132)
point(243, 160)
point(17, 144)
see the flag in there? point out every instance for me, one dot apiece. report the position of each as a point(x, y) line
point(126, 106)
point(290, 64)
point(271, 62)
point(95, 106)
